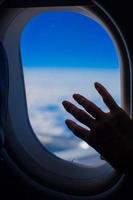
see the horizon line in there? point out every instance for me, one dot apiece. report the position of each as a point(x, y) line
point(59, 67)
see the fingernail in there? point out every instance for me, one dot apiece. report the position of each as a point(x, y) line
point(64, 103)
point(75, 96)
point(67, 121)
point(97, 84)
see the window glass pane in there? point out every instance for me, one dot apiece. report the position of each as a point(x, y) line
point(65, 53)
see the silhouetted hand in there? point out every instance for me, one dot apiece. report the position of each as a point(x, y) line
point(111, 134)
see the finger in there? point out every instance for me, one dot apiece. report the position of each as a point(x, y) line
point(79, 131)
point(107, 98)
point(88, 105)
point(79, 114)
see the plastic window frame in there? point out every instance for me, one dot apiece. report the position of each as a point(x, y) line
point(21, 143)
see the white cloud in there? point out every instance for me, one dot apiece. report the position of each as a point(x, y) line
point(47, 88)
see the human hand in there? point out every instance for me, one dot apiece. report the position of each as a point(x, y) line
point(111, 134)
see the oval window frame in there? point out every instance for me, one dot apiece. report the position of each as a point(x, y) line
point(27, 152)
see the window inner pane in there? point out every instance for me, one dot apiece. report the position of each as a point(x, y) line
point(65, 53)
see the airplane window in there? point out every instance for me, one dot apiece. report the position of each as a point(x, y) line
point(63, 53)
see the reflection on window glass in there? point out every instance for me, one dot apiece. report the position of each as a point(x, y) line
point(63, 53)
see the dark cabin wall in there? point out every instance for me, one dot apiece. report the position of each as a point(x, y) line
point(122, 13)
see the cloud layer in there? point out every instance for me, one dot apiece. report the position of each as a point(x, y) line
point(47, 88)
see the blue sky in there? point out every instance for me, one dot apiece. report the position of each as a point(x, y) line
point(67, 39)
